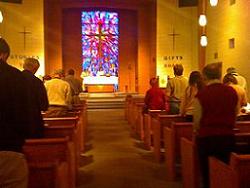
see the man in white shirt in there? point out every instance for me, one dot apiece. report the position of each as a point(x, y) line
point(176, 88)
point(59, 95)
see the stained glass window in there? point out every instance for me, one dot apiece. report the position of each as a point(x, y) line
point(100, 35)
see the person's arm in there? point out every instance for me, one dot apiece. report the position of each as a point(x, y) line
point(168, 88)
point(68, 96)
point(42, 97)
point(197, 115)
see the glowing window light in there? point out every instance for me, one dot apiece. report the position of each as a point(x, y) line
point(100, 50)
point(202, 20)
point(1, 17)
point(203, 40)
point(213, 3)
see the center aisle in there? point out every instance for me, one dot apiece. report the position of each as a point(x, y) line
point(115, 159)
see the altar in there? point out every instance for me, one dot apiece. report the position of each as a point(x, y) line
point(98, 84)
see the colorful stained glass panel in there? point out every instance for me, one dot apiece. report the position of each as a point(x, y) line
point(100, 34)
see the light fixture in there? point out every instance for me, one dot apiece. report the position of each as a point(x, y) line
point(213, 3)
point(203, 40)
point(1, 17)
point(202, 20)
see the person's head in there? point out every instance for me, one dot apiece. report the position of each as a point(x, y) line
point(178, 69)
point(59, 73)
point(212, 71)
point(154, 82)
point(31, 64)
point(196, 79)
point(71, 72)
point(4, 50)
point(229, 79)
point(231, 70)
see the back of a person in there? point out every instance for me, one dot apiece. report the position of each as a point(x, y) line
point(218, 103)
point(13, 119)
point(188, 100)
point(178, 85)
point(75, 84)
point(56, 90)
point(156, 99)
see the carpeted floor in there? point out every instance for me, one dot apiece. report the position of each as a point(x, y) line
point(115, 159)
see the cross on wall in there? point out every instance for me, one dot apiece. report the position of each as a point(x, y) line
point(173, 35)
point(25, 33)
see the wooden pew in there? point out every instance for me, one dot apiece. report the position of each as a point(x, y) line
point(172, 138)
point(189, 164)
point(189, 159)
point(139, 120)
point(158, 124)
point(234, 175)
point(66, 131)
point(243, 126)
point(132, 110)
point(128, 100)
point(46, 158)
point(147, 128)
point(137, 102)
point(47, 174)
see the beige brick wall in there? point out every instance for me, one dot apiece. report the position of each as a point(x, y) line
point(184, 21)
point(29, 14)
point(227, 21)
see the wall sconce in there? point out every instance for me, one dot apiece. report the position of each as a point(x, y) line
point(1, 17)
point(203, 40)
point(213, 3)
point(202, 20)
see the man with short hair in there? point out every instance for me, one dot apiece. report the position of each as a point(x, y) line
point(38, 97)
point(75, 85)
point(215, 111)
point(176, 88)
point(59, 95)
point(14, 122)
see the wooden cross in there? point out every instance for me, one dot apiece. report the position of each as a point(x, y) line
point(173, 35)
point(24, 32)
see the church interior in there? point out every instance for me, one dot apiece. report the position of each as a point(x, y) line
point(115, 48)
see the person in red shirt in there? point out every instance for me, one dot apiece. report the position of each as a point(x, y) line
point(155, 98)
point(214, 119)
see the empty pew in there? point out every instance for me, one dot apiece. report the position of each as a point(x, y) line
point(189, 164)
point(132, 110)
point(128, 100)
point(66, 131)
point(158, 123)
point(46, 158)
point(172, 138)
point(147, 118)
point(47, 174)
point(139, 120)
point(233, 175)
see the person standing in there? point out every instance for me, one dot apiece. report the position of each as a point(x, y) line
point(241, 81)
point(214, 119)
point(155, 98)
point(38, 97)
point(176, 88)
point(75, 85)
point(196, 83)
point(14, 122)
point(59, 95)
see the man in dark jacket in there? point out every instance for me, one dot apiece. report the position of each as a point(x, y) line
point(37, 96)
point(14, 122)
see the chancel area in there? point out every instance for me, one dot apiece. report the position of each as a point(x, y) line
point(125, 93)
